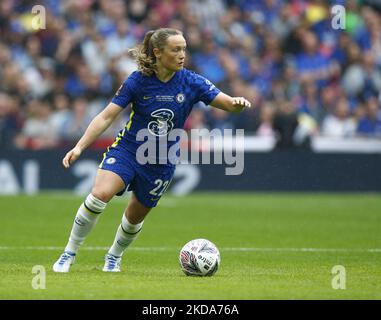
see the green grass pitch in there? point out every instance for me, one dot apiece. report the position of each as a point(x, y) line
point(273, 246)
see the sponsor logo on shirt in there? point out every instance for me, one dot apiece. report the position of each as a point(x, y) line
point(161, 123)
point(165, 98)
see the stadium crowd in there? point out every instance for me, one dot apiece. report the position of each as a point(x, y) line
point(303, 76)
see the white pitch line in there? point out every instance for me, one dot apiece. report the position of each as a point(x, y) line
point(304, 249)
point(53, 248)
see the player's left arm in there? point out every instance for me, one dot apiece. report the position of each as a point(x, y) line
point(230, 104)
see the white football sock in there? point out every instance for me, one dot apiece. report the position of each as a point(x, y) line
point(125, 235)
point(85, 220)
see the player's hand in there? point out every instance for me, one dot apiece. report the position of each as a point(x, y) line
point(71, 156)
point(241, 102)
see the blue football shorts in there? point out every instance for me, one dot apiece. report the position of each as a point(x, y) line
point(148, 182)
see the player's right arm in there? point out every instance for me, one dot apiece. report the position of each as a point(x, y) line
point(97, 126)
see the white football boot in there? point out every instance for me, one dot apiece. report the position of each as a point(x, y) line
point(112, 263)
point(64, 262)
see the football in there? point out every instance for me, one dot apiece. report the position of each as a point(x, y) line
point(199, 257)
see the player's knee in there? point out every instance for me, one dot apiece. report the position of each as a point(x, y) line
point(101, 195)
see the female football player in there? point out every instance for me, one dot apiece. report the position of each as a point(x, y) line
point(162, 93)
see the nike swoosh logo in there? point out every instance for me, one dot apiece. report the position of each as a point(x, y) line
point(146, 98)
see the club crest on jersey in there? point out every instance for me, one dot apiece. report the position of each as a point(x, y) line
point(162, 123)
point(180, 98)
point(110, 160)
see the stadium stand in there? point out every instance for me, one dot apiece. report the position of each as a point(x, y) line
point(304, 77)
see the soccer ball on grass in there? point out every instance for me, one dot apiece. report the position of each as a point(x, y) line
point(199, 257)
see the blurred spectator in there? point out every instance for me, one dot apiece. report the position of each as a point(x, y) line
point(368, 34)
point(266, 120)
point(208, 63)
point(196, 120)
point(61, 113)
point(285, 123)
point(208, 12)
point(38, 131)
point(340, 124)
point(306, 129)
point(370, 123)
point(311, 64)
point(94, 51)
point(363, 79)
point(137, 10)
point(77, 120)
point(121, 41)
point(166, 9)
point(10, 122)
point(353, 19)
point(219, 119)
point(285, 22)
point(310, 103)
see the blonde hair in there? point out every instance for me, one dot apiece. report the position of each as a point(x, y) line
point(143, 53)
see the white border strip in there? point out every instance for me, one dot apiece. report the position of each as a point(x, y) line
point(157, 249)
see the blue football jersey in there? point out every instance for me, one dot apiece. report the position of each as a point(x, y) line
point(159, 107)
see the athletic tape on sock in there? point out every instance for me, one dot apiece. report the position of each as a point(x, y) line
point(94, 205)
point(130, 228)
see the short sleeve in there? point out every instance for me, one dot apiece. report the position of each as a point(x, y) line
point(126, 92)
point(206, 91)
